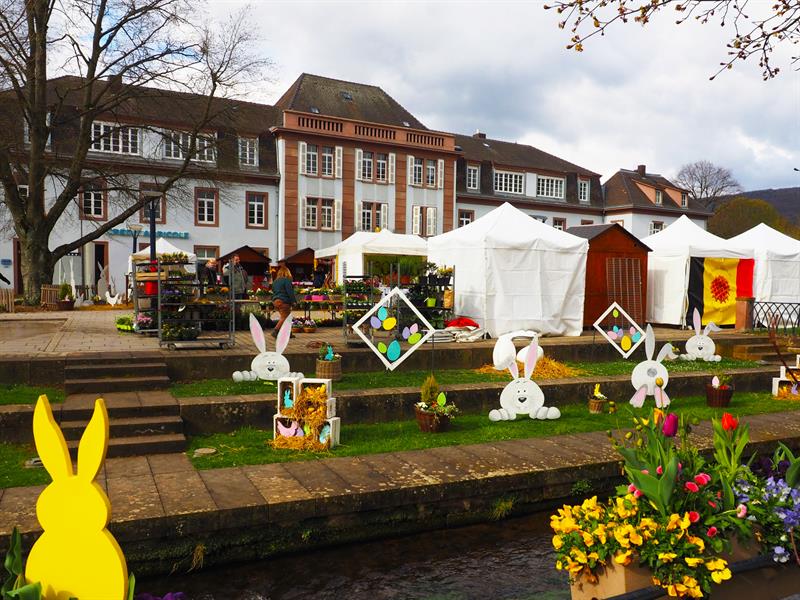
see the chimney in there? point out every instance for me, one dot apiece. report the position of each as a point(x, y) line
point(479, 135)
point(115, 83)
point(641, 170)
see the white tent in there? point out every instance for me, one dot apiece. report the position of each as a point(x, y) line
point(162, 247)
point(514, 272)
point(668, 266)
point(777, 269)
point(352, 250)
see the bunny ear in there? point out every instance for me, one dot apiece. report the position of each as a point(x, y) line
point(283, 336)
point(649, 342)
point(532, 358)
point(258, 334)
point(666, 350)
point(94, 443)
point(711, 327)
point(50, 443)
point(514, 369)
point(504, 353)
point(698, 325)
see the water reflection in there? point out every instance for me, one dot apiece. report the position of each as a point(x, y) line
point(509, 560)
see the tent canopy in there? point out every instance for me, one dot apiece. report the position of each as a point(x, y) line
point(686, 238)
point(763, 238)
point(777, 270)
point(163, 247)
point(514, 272)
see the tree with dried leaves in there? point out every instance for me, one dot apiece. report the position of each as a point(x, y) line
point(66, 63)
point(756, 29)
point(740, 214)
point(706, 181)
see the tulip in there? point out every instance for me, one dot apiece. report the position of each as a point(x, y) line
point(702, 479)
point(645, 471)
point(712, 504)
point(670, 427)
point(694, 516)
point(712, 531)
point(631, 488)
point(659, 470)
point(691, 486)
point(741, 511)
point(729, 422)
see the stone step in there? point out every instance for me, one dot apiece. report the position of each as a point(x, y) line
point(127, 384)
point(127, 427)
point(140, 445)
point(112, 358)
point(755, 353)
point(79, 407)
point(114, 370)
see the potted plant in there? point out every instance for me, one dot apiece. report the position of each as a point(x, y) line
point(309, 326)
point(443, 275)
point(297, 325)
point(430, 301)
point(329, 364)
point(124, 323)
point(143, 322)
point(597, 401)
point(432, 411)
point(720, 391)
point(66, 297)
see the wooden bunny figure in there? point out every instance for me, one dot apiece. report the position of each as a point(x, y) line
point(76, 556)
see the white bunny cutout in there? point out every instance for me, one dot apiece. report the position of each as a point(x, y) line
point(269, 366)
point(521, 396)
point(700, 346)
point(650, 377)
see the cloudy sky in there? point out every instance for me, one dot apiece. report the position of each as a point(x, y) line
point(636, 96)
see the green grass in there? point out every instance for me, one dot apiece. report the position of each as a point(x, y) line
point(249, 446)
point(12, 467)
point(388, 379)
point(25, 394)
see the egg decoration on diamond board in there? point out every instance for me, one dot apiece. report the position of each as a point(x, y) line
point(619, 329)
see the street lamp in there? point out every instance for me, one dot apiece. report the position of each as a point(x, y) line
point(136, 229)
point(152, 212)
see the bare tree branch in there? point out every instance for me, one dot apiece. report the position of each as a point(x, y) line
point(706, 181)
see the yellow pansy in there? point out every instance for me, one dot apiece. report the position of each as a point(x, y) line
point(667, 556)
point(715, 564)
point(600, 533)
point(557, 542)
point(623, 558)
point(559, 566)
point(693, 561)
point(623, 511)
point(587, 538)
point(692, 539)
point(579, 555)
point(676, 521)
point(720, 576)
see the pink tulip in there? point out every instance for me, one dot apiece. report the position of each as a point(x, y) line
point(691, 486)
point(670, 427)
point(712, 531)
point(645, 471)
point(694, 516)
point(659, 470)
point(631, 488)
point(712, 504)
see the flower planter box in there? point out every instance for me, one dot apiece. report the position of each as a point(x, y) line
point(597, 406)
point(431, 422)
point(718, 397)
point(329, 369)
point(309, 329)
point(613, 581)
point(297, 330)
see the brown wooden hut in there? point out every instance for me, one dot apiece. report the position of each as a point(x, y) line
point(301, 264)
point(616, 271)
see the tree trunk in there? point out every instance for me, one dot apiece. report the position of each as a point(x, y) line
point(36, 263)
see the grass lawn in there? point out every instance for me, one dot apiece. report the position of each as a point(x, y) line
point(249, 446)
point(384, 379)
point(12, 467)
point(25, 394)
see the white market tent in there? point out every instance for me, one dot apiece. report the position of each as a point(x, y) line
point(668, 266)
point(777, 269)
point(162, 247)
point(352, 250)
point(514, 272)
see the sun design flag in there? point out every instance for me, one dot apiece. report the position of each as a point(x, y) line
point(714, 285)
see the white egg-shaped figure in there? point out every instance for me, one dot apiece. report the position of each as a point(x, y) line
point(503, 353)
point(553, 413)
point(238, 376)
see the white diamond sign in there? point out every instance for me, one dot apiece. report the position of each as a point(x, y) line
point(620, 330)
point(382, 322)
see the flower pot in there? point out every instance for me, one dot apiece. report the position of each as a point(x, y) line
point(309, 329)
point(329, 369)
point(597, 406)
point(718, 397)
point(430, 302)
point(296, 330)
point(431, 422)
point(612, 581)
point(65, 304)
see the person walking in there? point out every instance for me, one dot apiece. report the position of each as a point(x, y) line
point(237, 277)
point(208, 274)
point(282, 296)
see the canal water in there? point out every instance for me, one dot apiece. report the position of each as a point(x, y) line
point(505, 560)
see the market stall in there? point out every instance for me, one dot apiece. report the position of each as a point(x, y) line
point(777, 268)
point(515, 272)
point(691, 268)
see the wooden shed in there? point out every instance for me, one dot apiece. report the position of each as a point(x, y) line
point(616, 271)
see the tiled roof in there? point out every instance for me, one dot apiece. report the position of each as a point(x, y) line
point(346, 100)
point(621, 191)
point(589, 232)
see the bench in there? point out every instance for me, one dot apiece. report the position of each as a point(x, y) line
point(50, 296)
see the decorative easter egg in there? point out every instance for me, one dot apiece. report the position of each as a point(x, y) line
point(375, 322)
point(625, 342)
point(612, 335)
point(632, 330)
point(615, 312)
point(441, 399)
point(637, 336)
point(381, 347)
point(389, 323)
point(615, 329)
point(393, 351)
point(382, 313)
point(414, 338)
point(406, 333)
point(414, 328)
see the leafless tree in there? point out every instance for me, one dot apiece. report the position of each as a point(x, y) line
point(121, 52)
point(756, 30)
point(706, 181)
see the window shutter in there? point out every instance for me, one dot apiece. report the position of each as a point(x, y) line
point(338, 167)
point(337, 215)
point(431, 224)
point(410, 170)
point(359, 223)
point(391, 167)
point(301, 157)
point(303, 213)
point(384, 216)
point(416, 213)
point(440, 174)
point(359, 161)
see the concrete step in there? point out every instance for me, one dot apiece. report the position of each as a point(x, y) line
point(140, 445)
point(113, 370)
point(127, 427)
point(756, 352)
point(126, 384)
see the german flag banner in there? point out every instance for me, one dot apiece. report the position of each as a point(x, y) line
point(714, 285)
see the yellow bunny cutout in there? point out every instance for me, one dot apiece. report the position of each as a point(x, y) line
point(76, 556)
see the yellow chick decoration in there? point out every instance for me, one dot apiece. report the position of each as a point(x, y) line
point(76, 556)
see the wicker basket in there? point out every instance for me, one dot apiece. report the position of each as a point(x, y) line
point(329, 369)
point(597, 406)
point(718, 397)
point(431, 422)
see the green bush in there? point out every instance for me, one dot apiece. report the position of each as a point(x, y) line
point(65, 291)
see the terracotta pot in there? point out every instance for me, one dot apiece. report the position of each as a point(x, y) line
point(329, 369)
point(431, 422)
point(297, 330)
point(613, 581)
point(597, 406)
point(309, 329)
point(718, 397)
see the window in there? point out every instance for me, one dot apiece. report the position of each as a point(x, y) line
point(550, 187)
point(204, 253)
point(583, 191)
point(417, 174)
point(423, 220)
point(587, 222)
point(658, 197)
point(381, 167)
point(311, 159)
point(26, 132)
point(178, 143)
point(248, 152)
point(465, 217)
point(327, 161)
point(93, 202)
point(107, 137)
point(206, 206)
point(684, 199)
point(320, 213)
point(473, 177)
point(256, 209)
point(366, 166)
point(430, 173)
point(373, 215)
point(508, 182)
point(656, 226)
point(560, 224)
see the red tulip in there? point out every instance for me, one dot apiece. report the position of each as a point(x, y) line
point(729, 422)
point(670, 427)
point(694, 516)
point(702, 479)
point(712, 504)
point(712, 531)
point(691, 486)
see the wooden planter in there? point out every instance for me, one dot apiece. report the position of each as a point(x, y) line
point(309, 329)
point(597, 406)
point(329, 369)
point(431, 422)
point(718, 397)
point(65, 304)
point(613, 581)
point(297, 330)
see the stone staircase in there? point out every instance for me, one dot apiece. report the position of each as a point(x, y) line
point(114, 374)
point(763, 351)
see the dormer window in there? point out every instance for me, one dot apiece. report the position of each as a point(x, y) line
point(108, 137)
point(347, 96)
point(684, 199)
point(248, 152)
point(315, 110)
point(406, 124)
point(509, 182)
point(473, 177)
point(658, 197)
point(583, 191)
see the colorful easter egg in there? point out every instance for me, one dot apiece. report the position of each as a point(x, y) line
point(381, 347)
point(389, 323)
point(375, 322)
point(414, 338)
point(393, 351)
point(382, 313)
point(625, 343)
